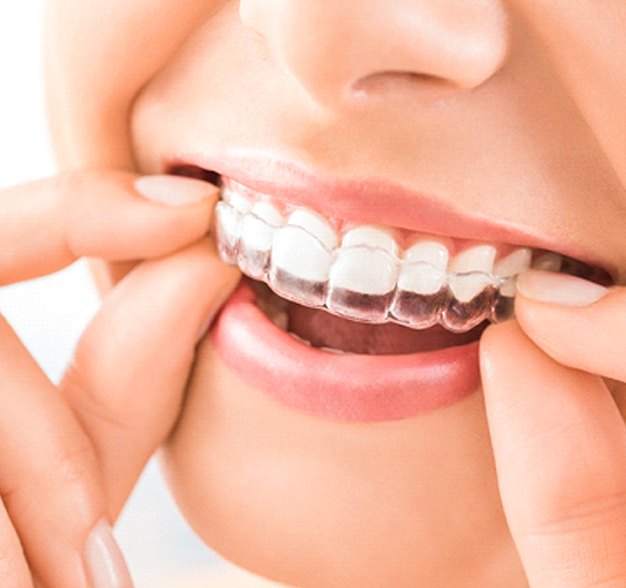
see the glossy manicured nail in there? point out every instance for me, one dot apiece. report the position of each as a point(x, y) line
point(174, 190)
point(104, 562)
point(559, 288)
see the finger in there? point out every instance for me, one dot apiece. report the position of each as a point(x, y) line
point(48, 224)
point(130, 369)
point(560, 451)
point(49, 477)
point(13, 568)
point(578, 323)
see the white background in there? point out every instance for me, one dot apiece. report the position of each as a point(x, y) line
point(49, 313)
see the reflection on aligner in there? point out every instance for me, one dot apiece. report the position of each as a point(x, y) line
point(362, 279)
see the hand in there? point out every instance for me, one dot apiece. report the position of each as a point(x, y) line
point(70, 455)
point(557, 429)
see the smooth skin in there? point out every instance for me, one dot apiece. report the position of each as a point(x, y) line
point(537, 89)
point(72, 453)
point(559, 438)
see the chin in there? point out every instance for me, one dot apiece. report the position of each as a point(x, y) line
point(310, 501)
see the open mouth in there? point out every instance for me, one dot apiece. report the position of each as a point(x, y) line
point(346, 287)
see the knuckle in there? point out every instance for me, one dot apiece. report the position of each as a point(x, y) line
point(68, 194)
point(586, 513)
point(584, 542)
point(68, 186)
point(84, 400)
point(72, 460)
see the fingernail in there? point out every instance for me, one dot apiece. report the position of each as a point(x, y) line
point(559, 288)
point(174, 190)
point(104, 562)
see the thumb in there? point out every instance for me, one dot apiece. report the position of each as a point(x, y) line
point(131, 366)
point(578, 323)
point(560, 451)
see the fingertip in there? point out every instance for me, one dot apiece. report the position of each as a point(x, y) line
point(176, 191)
point(493, 333)
point(498, 340)
point(587, 338)
point(509, 359)
point(103, 559)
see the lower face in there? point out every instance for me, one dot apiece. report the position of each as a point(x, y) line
point(374, 467)
point(309, 501)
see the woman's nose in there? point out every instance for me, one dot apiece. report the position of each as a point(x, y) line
point(336, 47)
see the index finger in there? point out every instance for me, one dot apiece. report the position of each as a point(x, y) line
point(559, 444)
point(47, 224)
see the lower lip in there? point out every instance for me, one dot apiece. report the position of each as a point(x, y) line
point(352, 388)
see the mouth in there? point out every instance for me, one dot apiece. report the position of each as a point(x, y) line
point(344, 292)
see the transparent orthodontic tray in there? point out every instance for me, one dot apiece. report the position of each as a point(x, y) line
point(457, 301)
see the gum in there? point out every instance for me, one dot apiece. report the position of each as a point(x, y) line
point(252, 253)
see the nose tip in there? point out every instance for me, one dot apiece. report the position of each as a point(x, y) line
point(335, 48)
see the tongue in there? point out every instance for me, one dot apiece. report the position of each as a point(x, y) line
point(322, 329)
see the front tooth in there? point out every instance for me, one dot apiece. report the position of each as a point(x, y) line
point(268, 213)
point(257, 234)
point(471, 300)
point(299, 266)
point(371, 237)
point(514, 263)
point(549, 262)
point(466, 287)
point(421, 278)
point(510, 266)
point(420, 293)
point(479, 258)
point(228, 225)
point(362, 281)
point(365, 271)
point(471, 272)
point(424, 268)
point(316, 225)
point(433, 253)
point(236, 200)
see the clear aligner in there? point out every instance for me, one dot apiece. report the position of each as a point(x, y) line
point(363, 278)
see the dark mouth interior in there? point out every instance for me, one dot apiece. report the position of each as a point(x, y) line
point(193, 171)
point(324, 330)
point(321, 329)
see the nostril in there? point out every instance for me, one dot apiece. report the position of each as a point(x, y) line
point(397, 86)
point(396, 81)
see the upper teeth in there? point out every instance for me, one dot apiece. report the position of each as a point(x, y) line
point(302, 256)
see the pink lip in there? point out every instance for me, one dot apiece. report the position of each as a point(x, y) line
point(356, 388)
point(373, 201)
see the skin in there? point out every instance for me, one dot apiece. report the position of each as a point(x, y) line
point(72, 453)
point(523, 483)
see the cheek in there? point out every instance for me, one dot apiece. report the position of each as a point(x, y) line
point(311, 502)
point(98, 57)
point(585, 42)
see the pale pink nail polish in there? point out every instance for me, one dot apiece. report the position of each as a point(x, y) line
point(174, 190)
point(103, 559)
point(559, 288)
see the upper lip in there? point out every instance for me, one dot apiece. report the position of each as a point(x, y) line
point(372, 200)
